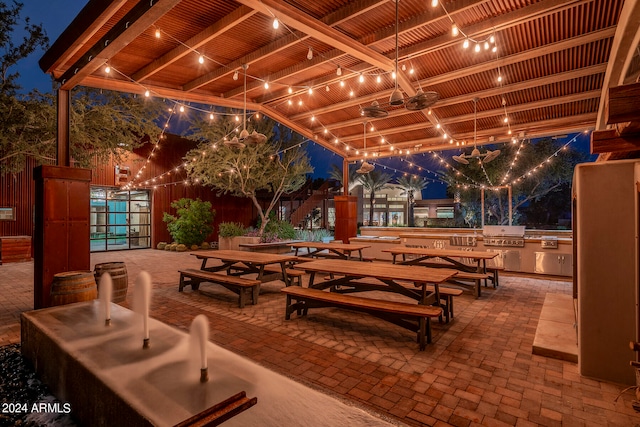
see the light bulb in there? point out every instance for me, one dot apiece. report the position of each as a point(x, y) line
point(438, 126)
point(300, 102)
point(310, 54)
point(492, 39)
point(361, 78)
point(434, 3)
point(411, 71)
point(182, 108)
point(201, 59)
point(494, 50)
point(506, 119)
point(404, 67)
point(444, 135)
point(290, 89)
point(290, 102)
point(351, 93)
point(454, 30)
point(477, 48)
point(465, 44)
point(378, 79)
point(341, 83)
point(276, 23)
point(499, 79)
point(326, 88)
point(147, 93)
point(486, 45)
point(393, 75)
point(107, 69)
point(339, 71)
point(211, 118)
point(310, 90)
point(266, 85)
point(157, 34)
point(235, 75)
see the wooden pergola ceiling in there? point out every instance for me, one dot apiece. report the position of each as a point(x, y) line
point(552, 56)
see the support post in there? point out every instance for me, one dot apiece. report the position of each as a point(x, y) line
point(63, 157)
point(345, 177)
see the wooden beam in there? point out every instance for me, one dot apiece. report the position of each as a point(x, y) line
point(63, 156)
point(134, 23)
point(91, 18)
point(611, 141)
point(479, 68)
point(229, 21)
point(624, 104)
point(352, 9)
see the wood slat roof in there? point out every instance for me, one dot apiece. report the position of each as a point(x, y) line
point(552, 56)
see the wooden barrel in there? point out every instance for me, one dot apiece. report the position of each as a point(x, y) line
point(118, 272)
point(73, 286)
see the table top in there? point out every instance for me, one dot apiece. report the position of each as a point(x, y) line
point(336, 246)
point(256, 258)
point(441, 252)
point(379, 270)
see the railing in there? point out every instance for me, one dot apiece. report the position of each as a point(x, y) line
point(315, 200)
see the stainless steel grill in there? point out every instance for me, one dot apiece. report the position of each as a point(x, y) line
point(503, 235)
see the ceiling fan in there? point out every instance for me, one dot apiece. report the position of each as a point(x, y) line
point(419, 101)
point(475, 153)
point(245, 136)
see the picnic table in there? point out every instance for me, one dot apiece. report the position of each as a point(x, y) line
point(382, 277)
point(449, 256)
point(239, 263)
point(379, 277)
point(335, 250)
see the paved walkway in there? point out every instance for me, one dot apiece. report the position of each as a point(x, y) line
point(479, 371)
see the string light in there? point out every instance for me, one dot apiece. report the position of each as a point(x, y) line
point(276, 23)
point(201, 59)
point(235, 75)
point(310, 54)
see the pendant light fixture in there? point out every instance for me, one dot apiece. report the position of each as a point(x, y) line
point(245, 137)
point(365, 167)
point(475, 153)
point(397, 98)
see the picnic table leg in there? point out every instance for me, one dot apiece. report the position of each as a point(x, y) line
point(285, 278)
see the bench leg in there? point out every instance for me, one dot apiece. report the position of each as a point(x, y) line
point(255, 291)
point(478, 288)
point(241, 297)
point(450, 304)
point(195, 284)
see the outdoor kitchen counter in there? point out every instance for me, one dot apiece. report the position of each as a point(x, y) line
point(555, 258)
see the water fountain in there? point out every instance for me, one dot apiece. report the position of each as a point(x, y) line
point(110, 380)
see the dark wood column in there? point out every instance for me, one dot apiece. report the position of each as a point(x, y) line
point(346, 217)
point(63, 157)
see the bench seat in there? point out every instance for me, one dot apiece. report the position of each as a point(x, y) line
point(462, 278)
point(291, 272)
point(238, 285)
point(414, 317)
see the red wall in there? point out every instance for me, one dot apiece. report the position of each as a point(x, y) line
point(18, 190)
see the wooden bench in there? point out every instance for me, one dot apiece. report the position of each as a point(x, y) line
point(494, 271)
point(291, 272)
point(271, 247)
point(475, 278)
point(446, 299)
point(413, 317)
point(238, 285)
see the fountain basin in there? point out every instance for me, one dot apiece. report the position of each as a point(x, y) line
point(108, 379)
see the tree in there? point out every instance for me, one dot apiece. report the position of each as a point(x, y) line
point(194, 221)
point(410, 185)
point(373, 182)
point(537, 173)
point(245, 171)
point(354, 177)
point(102, 123)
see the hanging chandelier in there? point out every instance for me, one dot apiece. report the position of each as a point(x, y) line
point(246, 137)
point(475, 153)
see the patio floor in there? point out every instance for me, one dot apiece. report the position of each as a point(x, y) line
point(480, 370)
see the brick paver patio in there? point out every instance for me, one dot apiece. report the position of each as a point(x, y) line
point(480, 370)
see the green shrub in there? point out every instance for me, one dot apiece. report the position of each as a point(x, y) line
point(276, 230)
point(315, 235)
point(194, 221)
point(231, 229)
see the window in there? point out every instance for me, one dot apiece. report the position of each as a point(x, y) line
point(7, 214)
point(120, 219)
point(444, 212)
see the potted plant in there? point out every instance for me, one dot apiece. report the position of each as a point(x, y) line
point(193, 221)
point(232, 234)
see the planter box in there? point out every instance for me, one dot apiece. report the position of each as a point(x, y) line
point(233, 243)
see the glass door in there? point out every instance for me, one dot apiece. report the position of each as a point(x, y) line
point(120, 219)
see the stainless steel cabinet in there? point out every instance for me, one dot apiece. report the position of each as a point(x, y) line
point(507, 258)
point(554, 263)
